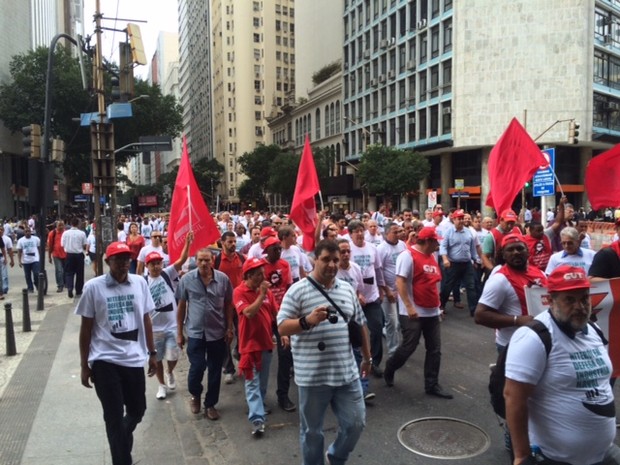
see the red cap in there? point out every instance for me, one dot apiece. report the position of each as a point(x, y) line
point(618, 222)
point(437, 213)
point(252, 263)
point(155, 255)
point(508, 215)
point(248, 212)
point(511, 238)
point(427, 232)
point(117, 248)
point(270, 241)
point(268, 232)
point(458, 214)
point(566, 278)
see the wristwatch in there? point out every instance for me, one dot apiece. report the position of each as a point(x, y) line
point(151, 354)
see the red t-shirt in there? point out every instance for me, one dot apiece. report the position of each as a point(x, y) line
point(135, 245)
point(232, 267)
point(54, 245)
point(540, 251)
point(278, 274)
point(255, 334)
point(426, 275)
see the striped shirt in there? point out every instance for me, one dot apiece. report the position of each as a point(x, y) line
point(334, 365)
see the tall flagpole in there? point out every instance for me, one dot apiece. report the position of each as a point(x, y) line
point(321, 198)
point(189, 205)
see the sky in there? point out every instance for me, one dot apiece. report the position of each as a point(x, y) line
point(161, 15)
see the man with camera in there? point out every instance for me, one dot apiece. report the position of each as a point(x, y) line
point(325, 369)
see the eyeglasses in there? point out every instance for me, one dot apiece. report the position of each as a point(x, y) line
point(156, 236)
point(120, 258)
point(345, 251)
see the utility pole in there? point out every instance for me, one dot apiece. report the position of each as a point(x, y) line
point(102, 145)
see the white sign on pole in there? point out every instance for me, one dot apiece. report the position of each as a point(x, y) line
point(432, 199)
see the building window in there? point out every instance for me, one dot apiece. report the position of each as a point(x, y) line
point(434, 81)
point(256, 6)
point(423, 87)
point(338, 117)
point(258, 116)
point(446, 119)
point(278, 25)
point(422, 124)
point(256, 38)
point(257, 85)
point(434, 126)
point(256, 22)
point(423, 48)
point(317, 118)
point(435, 42)
point(447, 76)
point(447, 36)
point(258, 130)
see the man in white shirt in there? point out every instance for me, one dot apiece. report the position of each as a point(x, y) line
point(373, 235)
point(573, 254)
point(75, 243)
point(28, 258)
point(8, 246)
point(155, 246)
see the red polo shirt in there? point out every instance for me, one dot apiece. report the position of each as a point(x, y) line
point(255, 334)
point(232, 267)
point(278, 274)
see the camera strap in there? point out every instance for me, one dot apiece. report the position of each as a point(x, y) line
point(322, 291)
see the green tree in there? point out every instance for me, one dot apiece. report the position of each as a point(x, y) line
point(208, 173)
point(256, 166)
point(22, 102)
point(284, 175)
point(389, 171)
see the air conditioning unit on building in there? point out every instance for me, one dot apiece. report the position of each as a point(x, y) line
point(411, 64)
point(391, 74)
point(607, 39)
point(411, 101)
point(382, 78)
point(367, 54)
point(373, 82)
point(421, 24)
point(384, 43)
point(447, 111)
point(392, 41)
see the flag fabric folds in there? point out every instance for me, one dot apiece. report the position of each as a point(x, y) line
point(189, 211)
point(513, 161)
point(303, 209)
point(603, 179)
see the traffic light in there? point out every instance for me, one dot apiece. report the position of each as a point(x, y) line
point(573, 132)
point(116, 89)
point(58, 150)
point(32, 140)
point(527, 184)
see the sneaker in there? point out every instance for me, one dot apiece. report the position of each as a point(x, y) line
point(171, 382)
point(388, 377)
point(70, 293)
point(161, 392)
point(287, 405)
point(259, 428)
point(369, 396)
point(229, 378)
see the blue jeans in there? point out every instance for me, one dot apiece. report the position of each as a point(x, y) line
point(204, 354)
point(348, 406)
point(256, 389)
point(374, 319)
point(59, 269)
point(31, 270)
point(460, 272)
point(5, 277)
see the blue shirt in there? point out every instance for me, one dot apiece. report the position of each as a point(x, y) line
point(458, 245)
point(206, 305)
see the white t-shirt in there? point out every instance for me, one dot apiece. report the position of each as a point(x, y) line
point(586, 243)
point(368, 260)
point(561, 258)
point(92, 243)
point(118, 311)
point(293, 256)
point(353, 276)
point(388, 254)
point(374, 240)
point(122, 236)
point(164, 317)
point(30, 249)
point(147, 249)
point(571, 382)
point(8, 245)
point(404, 269)
point(499, 294)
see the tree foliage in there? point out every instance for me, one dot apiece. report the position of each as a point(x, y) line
point(284, 175)
point(326, 72)
point(22, 102)
point(389, 171)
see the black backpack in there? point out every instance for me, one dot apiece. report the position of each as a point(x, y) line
point(497, 379)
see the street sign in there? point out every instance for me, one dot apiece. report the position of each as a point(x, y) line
point(544, 180)
point(119, 110)
point(432, 199)
point(81, 198)
point(459, 184)
point(156, 143)
point(460, 194)
point(87, 118)
point(87, 188)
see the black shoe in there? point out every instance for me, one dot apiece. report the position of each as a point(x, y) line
point(377, 371)
point(60, 289)
point(438, 391)
point(266, 409)
point(388, 377)
point(71, 294)
point(287, 405)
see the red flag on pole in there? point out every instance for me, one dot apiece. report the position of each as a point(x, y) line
point(603, 179)
point(513, 161)
point(303, 209)
point(188, 211)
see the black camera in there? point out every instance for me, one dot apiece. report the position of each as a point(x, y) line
point(332, 315)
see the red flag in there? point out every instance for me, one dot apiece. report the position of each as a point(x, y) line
point(188, 211)
point(603, 179)
point(303, 210)
point(513, 161)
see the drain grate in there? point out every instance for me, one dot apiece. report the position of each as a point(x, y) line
point(443, 438)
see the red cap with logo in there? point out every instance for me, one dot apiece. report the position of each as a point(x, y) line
point(437, 213)
point(458, 214)
point(567, 278)
point(153, 256)
point(270, 241)
point(428, 233)
point(117, 248)
point(508, 215)
point(512, 238)
point(252, 263)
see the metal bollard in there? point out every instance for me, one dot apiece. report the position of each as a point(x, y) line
point(26, 326)
point(11, 349)
point(40, 305)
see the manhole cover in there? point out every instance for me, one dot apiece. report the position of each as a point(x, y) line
point(443, 438)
